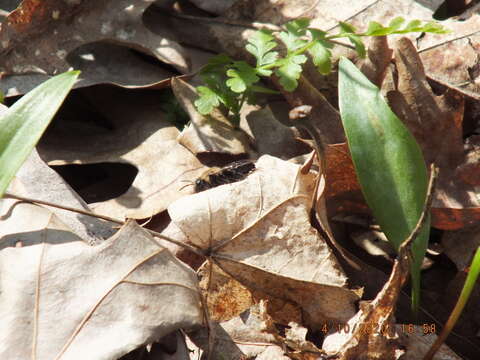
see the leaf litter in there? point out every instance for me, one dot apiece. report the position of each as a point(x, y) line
point(264, 257)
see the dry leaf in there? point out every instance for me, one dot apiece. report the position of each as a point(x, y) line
point(371, 333)
point(139, 135)
point(417, 344)
point(62, 299)
point(39, 37)
point(258, 232)
point(24, 224)
point(271, 136)
point(37, 181)
point(250, 334)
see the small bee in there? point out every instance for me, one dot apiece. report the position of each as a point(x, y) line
point(231, 173)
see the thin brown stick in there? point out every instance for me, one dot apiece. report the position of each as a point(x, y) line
point(405, 247)
point(63, 207)
point(193, 248)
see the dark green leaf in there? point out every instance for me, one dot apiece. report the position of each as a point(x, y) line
point(388, 161)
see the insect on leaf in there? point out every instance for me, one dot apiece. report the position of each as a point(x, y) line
point(22, 125)
point(388, 162)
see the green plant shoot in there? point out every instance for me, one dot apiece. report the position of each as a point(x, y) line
point(22, 125)
point(229, 84)
point(389, 164)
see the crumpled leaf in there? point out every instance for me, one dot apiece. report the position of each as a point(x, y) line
point(250, 334)
point(66, 26)
point(258, 232)
point(37, 180)
point(139, 135)
point(128, 285)
point(371, 333)
point(207, 133)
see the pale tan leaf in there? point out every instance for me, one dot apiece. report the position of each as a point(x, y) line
point(38, 181)
point(250, 334)
point(73, 301)
point(258, 232)
point(140, 136)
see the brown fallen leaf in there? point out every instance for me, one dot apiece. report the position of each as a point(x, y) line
point(39, 37)
point(139, 135)
point(258, 232)
point(36, 180)
point(63, 297)
point(251, 334)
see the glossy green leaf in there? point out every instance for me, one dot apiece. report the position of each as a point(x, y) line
point(388, 161)
point(22, 125)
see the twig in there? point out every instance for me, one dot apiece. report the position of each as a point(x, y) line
point(193, 248)
point(405, 247)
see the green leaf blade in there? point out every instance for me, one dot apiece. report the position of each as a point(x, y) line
point(260, 45)
point(241, 76)
point(388, 161)
point(22, 125)
point(321, 57)
point(207, 100)
point(289, 71)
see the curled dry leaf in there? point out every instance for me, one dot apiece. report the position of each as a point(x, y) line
point(250, 334)
point(271, 136)
point(371, 333)
point(139, 135)
point(258, 232)
point(67, 25)
point(207, 133)
point(418, 342)
point(38, 181)
point(24, 224)
point(128, 285)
